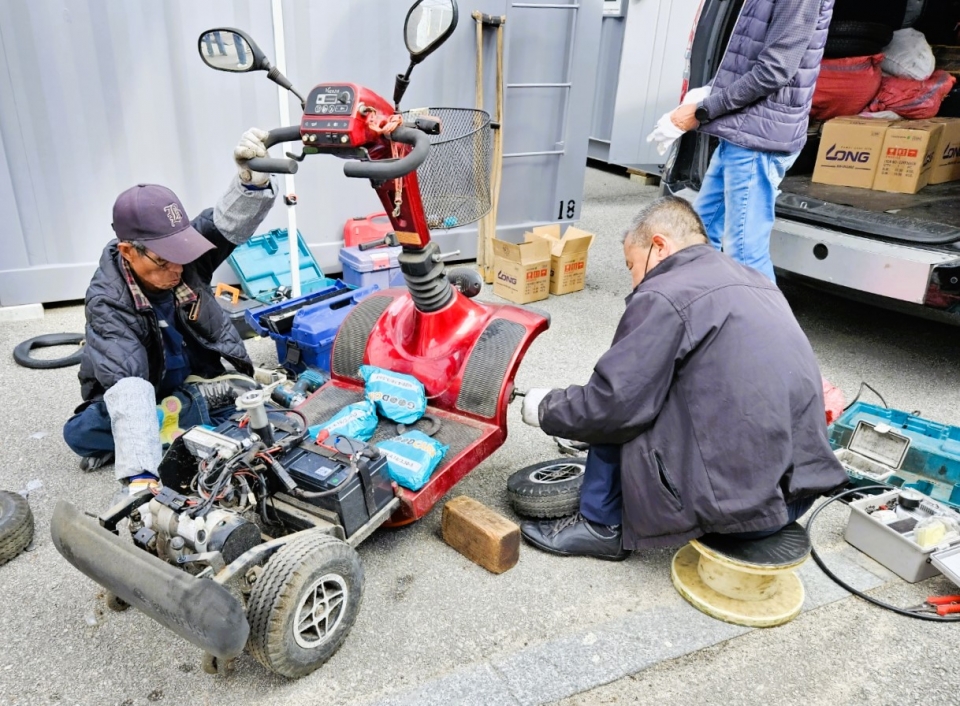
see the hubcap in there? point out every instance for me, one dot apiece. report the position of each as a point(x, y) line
point(557, 473)
point(320, 611)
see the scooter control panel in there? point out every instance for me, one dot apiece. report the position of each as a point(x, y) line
point(335, 116)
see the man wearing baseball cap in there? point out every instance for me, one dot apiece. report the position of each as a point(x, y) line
point(152, 321)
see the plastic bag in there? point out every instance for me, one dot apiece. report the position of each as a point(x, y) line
point(412, 458)
point(846, 86)
point(913, 100)
point(832, 400)
point(398, 397)
point(357, 421)
point(908, 55)
point(666, 133)
point(931, 531)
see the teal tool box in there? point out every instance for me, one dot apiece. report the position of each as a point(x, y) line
point(304, 328)
point(379, 266)
point(879, 445)
point(263, 266)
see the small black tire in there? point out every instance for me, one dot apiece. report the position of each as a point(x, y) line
point(549, 489)
point(311, 572)
point(873, 31)
point(21, 353)
point(844, 47)
point(16, 525)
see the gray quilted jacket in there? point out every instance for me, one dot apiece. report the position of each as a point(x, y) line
point(122, 335)
point(764, 85)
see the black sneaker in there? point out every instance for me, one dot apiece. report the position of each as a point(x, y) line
point(576, 536)
point(92, 463)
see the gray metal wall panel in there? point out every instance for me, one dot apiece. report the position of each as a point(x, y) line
point(96, 95)
point(651, 74)
point(608, 74)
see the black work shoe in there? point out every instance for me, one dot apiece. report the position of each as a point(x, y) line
point(575, 536)
point(92, 463)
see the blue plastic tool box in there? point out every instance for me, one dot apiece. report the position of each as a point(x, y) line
point(304, 328)
point(890, 446)
point(263, 265)
point(379, 266)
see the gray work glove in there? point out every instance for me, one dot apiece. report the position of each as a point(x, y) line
point(250, 146)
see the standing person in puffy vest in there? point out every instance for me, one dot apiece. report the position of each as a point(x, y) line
point(152, 321)
point(758, 106)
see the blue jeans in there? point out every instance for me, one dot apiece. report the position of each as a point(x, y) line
point(601, 499)
point(737, 201)
point(89, 433)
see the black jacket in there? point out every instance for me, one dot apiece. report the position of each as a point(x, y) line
point(123, 337)
point(716, 396)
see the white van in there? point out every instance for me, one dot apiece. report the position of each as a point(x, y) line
point(898, 250)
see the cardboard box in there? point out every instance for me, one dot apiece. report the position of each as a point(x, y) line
point(568, 256)
point(907, 156)
point(946, 159)
point(522, 270)
point(850, 151)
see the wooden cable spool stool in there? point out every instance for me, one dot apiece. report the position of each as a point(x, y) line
point(744, 581)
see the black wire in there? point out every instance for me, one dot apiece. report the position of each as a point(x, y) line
point(860, 594)
point(859, 391)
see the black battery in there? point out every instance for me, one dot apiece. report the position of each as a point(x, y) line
point(356, 497)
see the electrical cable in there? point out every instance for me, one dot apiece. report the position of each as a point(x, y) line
point(847, 587)
point(860, 391)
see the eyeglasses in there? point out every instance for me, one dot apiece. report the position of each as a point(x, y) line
point(161, 264)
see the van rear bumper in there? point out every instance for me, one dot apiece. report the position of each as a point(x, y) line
point(911, 274)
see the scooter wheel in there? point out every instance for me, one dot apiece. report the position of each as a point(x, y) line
point(304, 604)
point(549, 489)
point(16, 525)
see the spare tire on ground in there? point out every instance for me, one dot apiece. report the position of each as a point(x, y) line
point(548, 489)
point(16, 525)
point(21, 353)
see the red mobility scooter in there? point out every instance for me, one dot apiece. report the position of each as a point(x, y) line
point(250, 543)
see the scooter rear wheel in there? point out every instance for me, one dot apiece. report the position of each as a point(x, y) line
point(548, 489)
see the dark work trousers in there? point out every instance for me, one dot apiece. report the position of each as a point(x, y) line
point(89, 433)
point(601, 499)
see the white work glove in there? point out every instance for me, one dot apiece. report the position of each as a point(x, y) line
point(666, 133)
point(250, 146)
point(530, 411)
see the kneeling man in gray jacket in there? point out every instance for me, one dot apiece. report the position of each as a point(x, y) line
point(154, 327)
point(706, 414)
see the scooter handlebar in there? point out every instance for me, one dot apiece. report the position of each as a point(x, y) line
point(394, 168)
point(279, 165)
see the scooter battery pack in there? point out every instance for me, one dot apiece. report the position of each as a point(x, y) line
point(355, 499)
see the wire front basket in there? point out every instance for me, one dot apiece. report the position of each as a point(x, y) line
point(455, 179)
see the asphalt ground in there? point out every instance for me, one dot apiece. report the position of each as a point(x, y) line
point(435, 628)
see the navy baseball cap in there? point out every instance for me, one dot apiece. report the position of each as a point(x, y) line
point(154, 216)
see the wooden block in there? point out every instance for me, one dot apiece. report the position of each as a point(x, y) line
point(480, 534)
point(643, 177)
